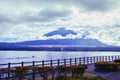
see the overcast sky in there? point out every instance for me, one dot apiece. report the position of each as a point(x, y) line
point(22, 20)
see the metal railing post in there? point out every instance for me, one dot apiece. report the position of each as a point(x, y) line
point(9, 65)
point(58, 62)
point(70, 61)
point(64, 62)
point(91, 60)
point(51, 63)
point(33, 70)
point(79, 60)
point(22, 63)
point(75, 61)
point(43, 63)
point(112, 58)
point(94, 60)
point(83, 60)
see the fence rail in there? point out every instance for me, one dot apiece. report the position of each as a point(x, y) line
point(53, 63)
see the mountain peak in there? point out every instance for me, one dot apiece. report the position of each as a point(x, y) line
point(60, 31)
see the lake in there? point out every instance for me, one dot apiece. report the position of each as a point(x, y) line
point(27, 56)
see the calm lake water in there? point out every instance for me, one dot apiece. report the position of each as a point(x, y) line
point(27, 56)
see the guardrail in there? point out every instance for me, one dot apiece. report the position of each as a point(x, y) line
point(66, 62)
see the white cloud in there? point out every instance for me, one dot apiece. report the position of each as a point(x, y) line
point(30, 20)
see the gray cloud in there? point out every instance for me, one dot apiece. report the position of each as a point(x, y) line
point(90, 5)
point(53, 14)
point(4, 18)
point(96, 5)
point(41, 16)
point(49, 10)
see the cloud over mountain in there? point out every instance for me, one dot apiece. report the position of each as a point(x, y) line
point(60, 31)
point(31, 19)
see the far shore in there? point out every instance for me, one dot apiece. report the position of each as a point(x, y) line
point(25, 48)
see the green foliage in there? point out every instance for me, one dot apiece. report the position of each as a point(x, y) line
point(20, 72)
point(105, 66)
point(74, 69)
